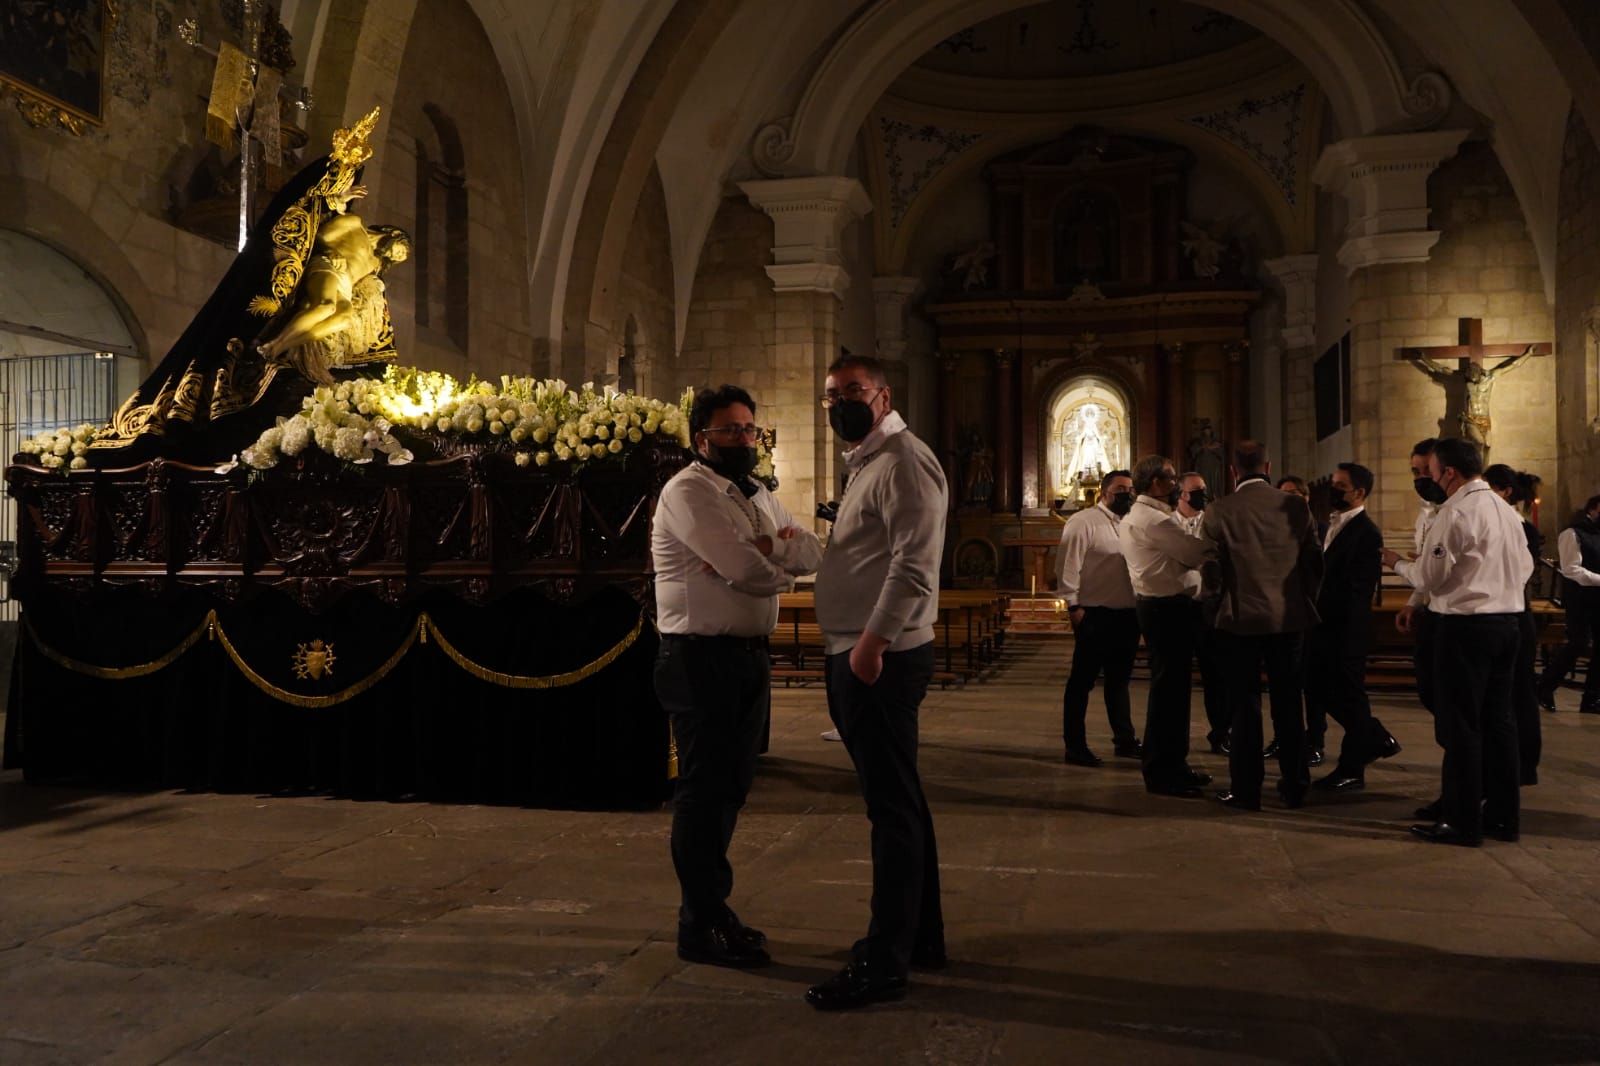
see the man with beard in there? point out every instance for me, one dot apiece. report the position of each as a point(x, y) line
point(723, 548)
point(877, 601)
point(1105, 624)
point(1336, 655)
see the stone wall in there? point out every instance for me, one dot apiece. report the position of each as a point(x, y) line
point(647, 295)
point(1484, 266)
point(731, 328)
point(1577, 298)
point(450, 89)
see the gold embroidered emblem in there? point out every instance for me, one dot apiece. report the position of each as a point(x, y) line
point(313, 660)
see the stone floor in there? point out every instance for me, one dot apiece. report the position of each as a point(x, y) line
point(1088, 921)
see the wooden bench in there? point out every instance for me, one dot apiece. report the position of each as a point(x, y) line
point(1389, 663)
point(969, 636)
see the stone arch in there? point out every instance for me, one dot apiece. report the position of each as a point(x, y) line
point(442, 246)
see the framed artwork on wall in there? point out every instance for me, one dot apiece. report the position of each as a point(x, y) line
point(52, 59)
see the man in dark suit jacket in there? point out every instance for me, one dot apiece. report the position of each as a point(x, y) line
point(1336, 653)
point(1269, 567)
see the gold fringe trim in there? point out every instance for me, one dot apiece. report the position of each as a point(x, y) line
point(571, 677)
point(417, 634)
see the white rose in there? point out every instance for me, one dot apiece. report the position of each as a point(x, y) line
point(635, 436)
point(78, 462)
point(599, 450)
point(519, 435)
point(444, 425)
point(497, 427)
point(651, 425)
point(50, 460)
point(563, 452)
point(78, 447)
point(615, 446)
point(602, 432)
point(491, 415)
point(474, 425)
point(543, 458)
point(61, 446)
point(522, 459)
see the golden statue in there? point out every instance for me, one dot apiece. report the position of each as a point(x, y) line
point(304, 296)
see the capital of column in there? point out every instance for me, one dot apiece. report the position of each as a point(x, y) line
point(1298, 276)
point(808, 215)
point(1384, 179)
point(890, 296)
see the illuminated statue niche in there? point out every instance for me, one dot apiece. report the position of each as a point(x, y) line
point(1088, 439)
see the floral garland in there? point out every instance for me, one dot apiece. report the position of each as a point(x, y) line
point(542, 420)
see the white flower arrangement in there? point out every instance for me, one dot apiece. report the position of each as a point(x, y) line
point(354, 420)
point(66, 447)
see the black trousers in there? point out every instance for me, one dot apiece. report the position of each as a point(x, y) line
point(717, 691)
point(1525, 700)
point(1422, 654)
point(1105, 642)
point(1336, 687)
point(1246, 655)
point(1213, 685)
point(1171, 626)
point(1475, 659)
point(878, 724)
point(1583, 611)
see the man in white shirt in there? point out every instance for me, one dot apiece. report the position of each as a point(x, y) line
point(1105, 626)
point(723, 548)
point(1164, 566)
point(1578, 549)
point(1191, 510)
point(1413, 618)
point(1473, 567)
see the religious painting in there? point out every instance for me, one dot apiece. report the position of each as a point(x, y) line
point(1087, 241)
point(1089, 438)
point(52, 52)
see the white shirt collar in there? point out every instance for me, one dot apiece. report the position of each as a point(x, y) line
point(1161, 505)
point(887, 426)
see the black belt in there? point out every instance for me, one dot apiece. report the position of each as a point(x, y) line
point(741, 643)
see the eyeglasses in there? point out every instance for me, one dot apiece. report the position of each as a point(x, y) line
point(850, 392)
point(734, 429)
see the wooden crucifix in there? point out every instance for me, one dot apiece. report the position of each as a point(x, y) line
point(1475, 380)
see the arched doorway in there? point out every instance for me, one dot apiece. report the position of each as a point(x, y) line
point(1090, 428)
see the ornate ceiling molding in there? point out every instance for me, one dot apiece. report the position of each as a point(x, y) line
point(1267, 129)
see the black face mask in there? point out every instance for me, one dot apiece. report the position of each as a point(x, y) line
point(733, 462)
point(1197, 499)
point(1120, 503)
point(851, 419)
point(1430, 490)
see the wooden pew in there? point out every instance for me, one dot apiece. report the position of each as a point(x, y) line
point(969, 636)
point(1389, 664)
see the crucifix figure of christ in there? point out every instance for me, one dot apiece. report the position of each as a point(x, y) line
point(1475, 380)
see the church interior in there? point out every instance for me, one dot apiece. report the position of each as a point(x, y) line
point(1074, 232)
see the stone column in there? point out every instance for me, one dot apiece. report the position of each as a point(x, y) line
point(807, 272)
point(1298, 276)
point(948, 363)
point(1384, 180)
point(1004, 499)
point(1177, 407)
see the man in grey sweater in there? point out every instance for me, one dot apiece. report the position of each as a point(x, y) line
point(877, 600)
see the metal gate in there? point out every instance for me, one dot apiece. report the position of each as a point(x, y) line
point(44, 392)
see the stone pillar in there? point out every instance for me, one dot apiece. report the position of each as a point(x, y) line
point(808, 216)
point(891, 296)
point(1298, 276)
point(1385, 180)
point(948, 363)
point(1004, 500)
point(1177, 407)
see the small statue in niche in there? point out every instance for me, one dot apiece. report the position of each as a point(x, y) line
point(977, 483)
point(1204, 251)
point(973, 266)
point(1207, 456)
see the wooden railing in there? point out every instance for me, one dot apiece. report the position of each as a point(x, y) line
point(969, 635)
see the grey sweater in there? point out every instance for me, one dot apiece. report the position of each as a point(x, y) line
point(880, 572)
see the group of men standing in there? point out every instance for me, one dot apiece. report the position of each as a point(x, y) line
point(1249, 586)
point(723, 549)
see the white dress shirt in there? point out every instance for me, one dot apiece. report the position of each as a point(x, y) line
point(1475, 559)
point(1571, 557)
point(702, 518)
point(1089, 561)
point(887, 426)
point(1162, 559)
point(1337, 521)
point(1425, 516)
point(1191, 523)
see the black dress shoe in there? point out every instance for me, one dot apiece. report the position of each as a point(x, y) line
point(1389, 748)
point(1340, 781)
point(1547, 702)
point(1195, 778)
point(1271, 749)
point(721, 945)
point(1176, 788)
point(1238, 802)
point(1430, 812)
point(1315, 757)
point(1083, 757)
point(746, 933)
point(1445, 833)
point(929, 957)
point(1505, 831)
point(857, 985)
point(1132, 749)
point(1219, 747)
